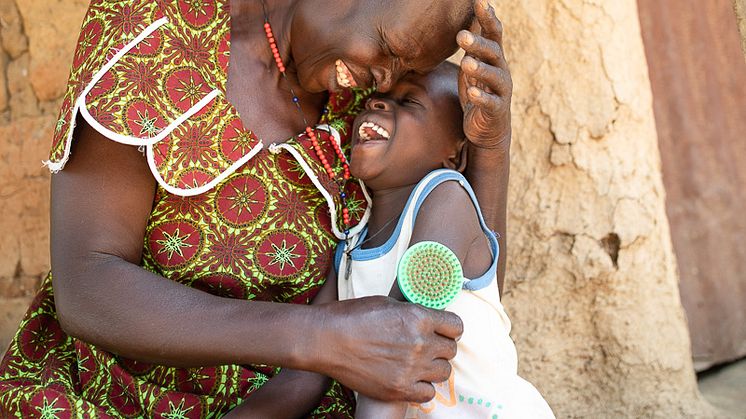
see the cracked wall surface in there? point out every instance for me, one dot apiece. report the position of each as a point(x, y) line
point(592, 286)
point(740, 6)
point(591, 281)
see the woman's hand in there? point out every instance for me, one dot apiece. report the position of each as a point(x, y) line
point(485, 86)
point(387, 350)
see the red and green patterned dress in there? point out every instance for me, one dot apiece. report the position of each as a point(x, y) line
point(231, 217)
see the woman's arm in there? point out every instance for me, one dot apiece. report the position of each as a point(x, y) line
point(485, 89)
point(488, 171)
point(100, 207)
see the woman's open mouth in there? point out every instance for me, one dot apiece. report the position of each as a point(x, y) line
point(370, 131)
point(344, 76)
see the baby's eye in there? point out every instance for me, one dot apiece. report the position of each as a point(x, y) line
point(410, 101)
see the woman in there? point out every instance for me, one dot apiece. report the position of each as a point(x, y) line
point(145, 250)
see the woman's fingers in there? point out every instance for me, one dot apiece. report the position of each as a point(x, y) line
point(422, 392)
point(439, 371)
point(447, 324)
point(489, 102)
point(489, 78)
point(484, 49)
point(492, 28)
point(445, 348)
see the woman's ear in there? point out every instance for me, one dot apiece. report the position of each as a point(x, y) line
point(457, 160)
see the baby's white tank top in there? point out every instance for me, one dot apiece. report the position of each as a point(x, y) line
point(484, 383)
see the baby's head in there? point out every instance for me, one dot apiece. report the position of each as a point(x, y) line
point(410, 131)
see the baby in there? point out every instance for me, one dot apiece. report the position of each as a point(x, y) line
point(408, 148)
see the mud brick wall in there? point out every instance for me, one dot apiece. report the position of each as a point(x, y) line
point(37, 38)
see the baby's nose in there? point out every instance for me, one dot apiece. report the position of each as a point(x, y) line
point(377, 104)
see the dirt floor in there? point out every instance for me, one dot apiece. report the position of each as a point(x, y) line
point(725, 388)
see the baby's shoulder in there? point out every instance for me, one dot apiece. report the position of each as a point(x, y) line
point(448, 195)
point(448, 213)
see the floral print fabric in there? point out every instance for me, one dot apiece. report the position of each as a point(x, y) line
point(230, 217)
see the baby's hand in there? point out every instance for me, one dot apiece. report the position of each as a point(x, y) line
point(485, 86)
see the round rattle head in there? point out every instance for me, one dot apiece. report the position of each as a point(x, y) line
point(430, 274)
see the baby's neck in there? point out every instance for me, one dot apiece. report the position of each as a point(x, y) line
point(388, 205)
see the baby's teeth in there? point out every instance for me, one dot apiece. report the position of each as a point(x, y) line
point(363, 134)
point(375, 127)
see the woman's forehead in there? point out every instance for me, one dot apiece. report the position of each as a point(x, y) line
point(424, 32)
point(421, 16)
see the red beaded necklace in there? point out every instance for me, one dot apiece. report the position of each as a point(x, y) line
point(311, 132)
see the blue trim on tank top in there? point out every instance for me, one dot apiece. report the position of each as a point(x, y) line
point(433, 179)
point(338, 253)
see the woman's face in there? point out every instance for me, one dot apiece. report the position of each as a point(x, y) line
point(367, 43)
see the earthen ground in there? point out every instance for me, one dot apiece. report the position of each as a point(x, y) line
point(725, 388)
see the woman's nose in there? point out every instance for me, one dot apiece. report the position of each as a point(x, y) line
point(378, 104)
point(384, 79)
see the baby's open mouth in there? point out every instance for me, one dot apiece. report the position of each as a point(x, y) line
point(344, 76)
point(370, 131)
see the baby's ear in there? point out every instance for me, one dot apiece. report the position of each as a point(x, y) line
point(457, 160)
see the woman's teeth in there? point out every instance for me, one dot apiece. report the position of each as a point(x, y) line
point(344, 76)
point(368, 131)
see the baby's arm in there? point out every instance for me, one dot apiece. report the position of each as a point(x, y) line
point(291, 393)
point(449, 217)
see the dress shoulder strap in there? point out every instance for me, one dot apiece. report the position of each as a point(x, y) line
point(421, 192)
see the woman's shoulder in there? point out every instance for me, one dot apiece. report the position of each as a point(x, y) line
point(152, 73)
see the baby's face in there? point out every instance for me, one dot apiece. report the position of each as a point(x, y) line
point(408, 132)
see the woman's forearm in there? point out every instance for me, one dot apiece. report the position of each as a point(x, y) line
point(137, 314)
point(488, 170)
point(101, 205)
